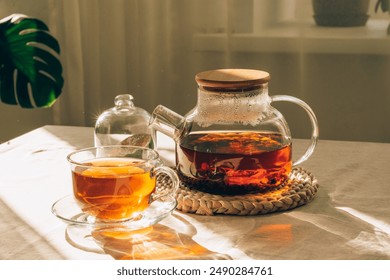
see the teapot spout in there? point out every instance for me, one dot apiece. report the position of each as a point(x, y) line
point(167, 121)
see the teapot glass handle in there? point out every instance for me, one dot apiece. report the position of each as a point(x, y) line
point(313, 121)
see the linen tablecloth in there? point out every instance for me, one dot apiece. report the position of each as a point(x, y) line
point(348, 219)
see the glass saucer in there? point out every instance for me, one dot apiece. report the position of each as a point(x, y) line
point(67, 210)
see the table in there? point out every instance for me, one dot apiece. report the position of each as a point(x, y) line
point(348, 219)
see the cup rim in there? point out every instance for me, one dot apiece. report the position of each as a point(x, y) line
point(154, 152)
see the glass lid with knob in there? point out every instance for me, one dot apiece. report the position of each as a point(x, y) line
point(124, 124)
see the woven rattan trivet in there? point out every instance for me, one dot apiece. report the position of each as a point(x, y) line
point(301, 189)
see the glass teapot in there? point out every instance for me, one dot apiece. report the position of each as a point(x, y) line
point(233, 141)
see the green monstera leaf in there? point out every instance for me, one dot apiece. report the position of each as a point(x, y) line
point(30, 68)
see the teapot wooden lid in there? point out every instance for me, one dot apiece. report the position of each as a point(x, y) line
point(232, 78)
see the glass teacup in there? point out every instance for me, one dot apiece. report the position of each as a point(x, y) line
point(117, 183)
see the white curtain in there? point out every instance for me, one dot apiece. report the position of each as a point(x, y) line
point(122, 46)
point(152, 49)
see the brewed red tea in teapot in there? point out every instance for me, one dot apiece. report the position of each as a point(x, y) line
point(233, 141)
point(233, 162)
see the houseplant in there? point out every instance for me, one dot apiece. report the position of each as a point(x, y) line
point(340, 13)
point(30, 68)
point(385, 7)
point(383, 4)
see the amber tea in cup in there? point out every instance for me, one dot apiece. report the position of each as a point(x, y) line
point(115, 183)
